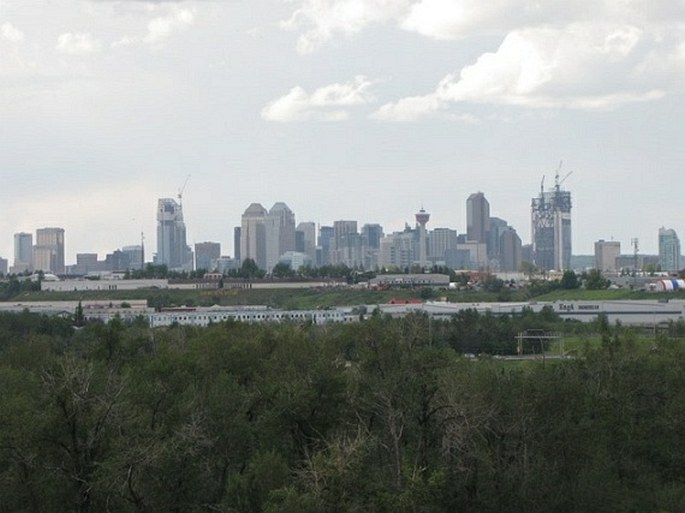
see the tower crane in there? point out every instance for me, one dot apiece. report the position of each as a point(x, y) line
point(557, 181)
point(180, 191)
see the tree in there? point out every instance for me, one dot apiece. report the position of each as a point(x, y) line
point(570, 280)
point(594, 280)
point(282, 270)
point(250, 270)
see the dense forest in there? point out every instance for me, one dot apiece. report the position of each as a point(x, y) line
point(384, 415)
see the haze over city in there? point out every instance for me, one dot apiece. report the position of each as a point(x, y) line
point(342, 109)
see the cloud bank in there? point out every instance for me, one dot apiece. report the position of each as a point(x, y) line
point(582, 54)
point(324, 104)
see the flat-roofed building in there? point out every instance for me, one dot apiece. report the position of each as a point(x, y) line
point(606, 255)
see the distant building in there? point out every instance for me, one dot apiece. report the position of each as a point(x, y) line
point(279, 233)
point(669, 250)
point(136, 256)
point(306, 240)
point(477, 218)
point(172, 248)
point(347, 244)
point(86, 263)
point(606, 255)
point(422, 218)
point(205, 253)
point(551, 229)
point(325, 245)
point(399, 249)
point(225, 264)
point(48, 253)
point(477, 254)
point(236, 243)
point(510, 251)
point(295, 260)
point(3, 266)
point(371, 235)
point(439, 241)
point(23, 252)
point(252, 235)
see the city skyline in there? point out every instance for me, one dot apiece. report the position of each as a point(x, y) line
point(341, 109)
point(274, 236)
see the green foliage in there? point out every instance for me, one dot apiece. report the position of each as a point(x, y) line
point(594, 280)
point(382, 415)
point(569, 280)
point(282, 270)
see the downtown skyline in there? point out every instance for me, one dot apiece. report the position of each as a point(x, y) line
point(481, 225)
point(341, 109)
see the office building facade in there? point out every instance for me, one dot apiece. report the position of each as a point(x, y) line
point(172, 248)
point(669, 250)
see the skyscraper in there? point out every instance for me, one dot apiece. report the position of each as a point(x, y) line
point(308, 237)
point(49, 250)
point(172, 248)
point(477, 217)
point(326, 245)
point(509, 250)
point(551, 228)
point(236, 243)
point(669, 250)
point(346, 247)
point(252, 237)
point(279, 233)
point(206, 255)
point(23, 252)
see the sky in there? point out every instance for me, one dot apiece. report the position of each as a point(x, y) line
point(343, 109)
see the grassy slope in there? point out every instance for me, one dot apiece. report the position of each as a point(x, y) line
point(329, 297)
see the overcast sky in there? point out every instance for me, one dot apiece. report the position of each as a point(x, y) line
point(344, 109)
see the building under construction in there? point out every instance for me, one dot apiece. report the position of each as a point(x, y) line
point(551, 233)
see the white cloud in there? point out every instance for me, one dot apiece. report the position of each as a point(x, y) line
point(324, 104)
point(582, 66)
point(161, 28)
point(77, 44)
point(11, 33)
point(321, 20)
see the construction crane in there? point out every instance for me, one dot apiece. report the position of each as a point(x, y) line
point(180, 191)
point(557, 181)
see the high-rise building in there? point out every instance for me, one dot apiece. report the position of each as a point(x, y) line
point(606, 254)
point(236, 243)
point(669, 250)
point(206, 255)
point(326, 245)
point(439, 241)
point(399, 249)
point(49, 250)
point(551, 228)
point(477, 217)
point(510, 250)
point(136, 256)
point(307, 231)
point(23, 252)
point(371, 235)
point(252, 235)
point(497, 228)
point(172, 248)
point(346, 247)
point(279, 233)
